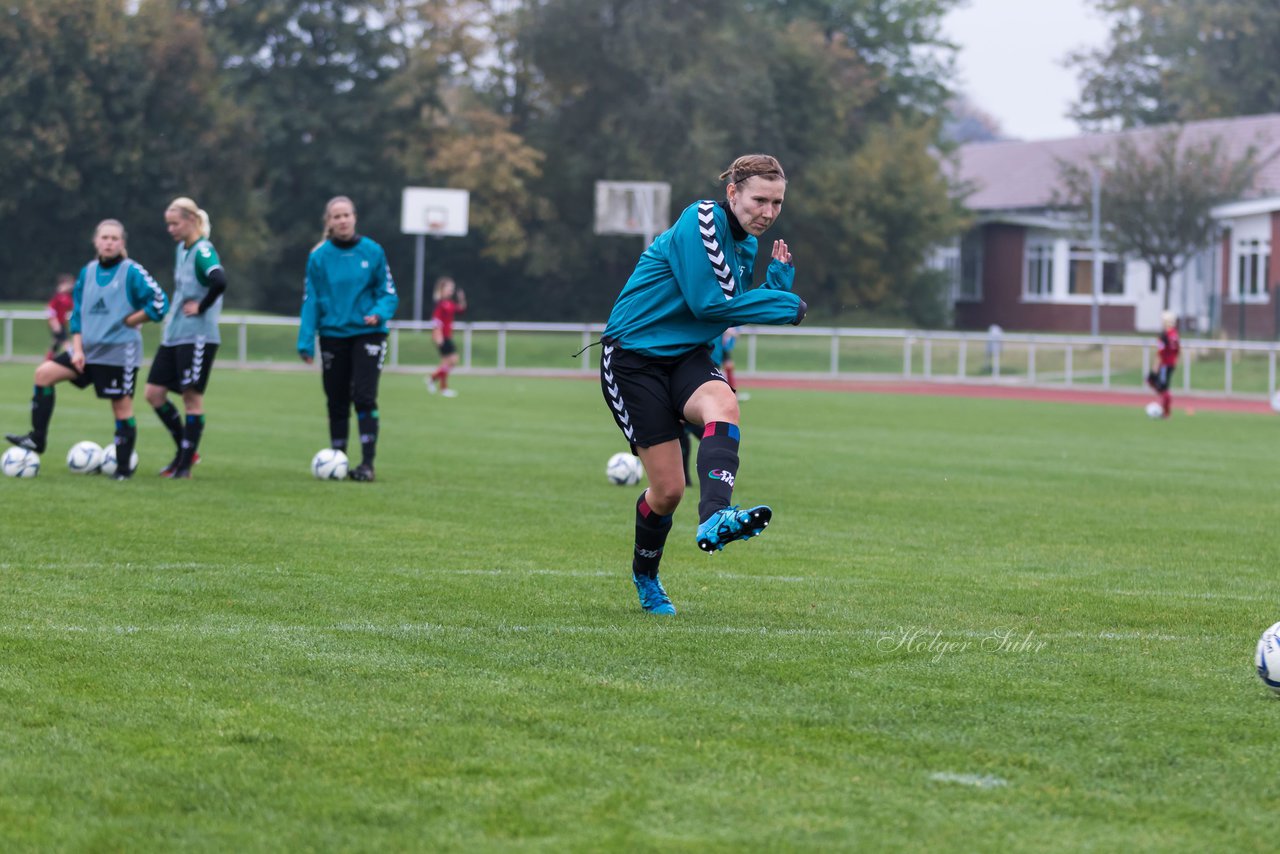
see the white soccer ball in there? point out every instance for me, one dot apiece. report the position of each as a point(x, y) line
point(330, 464)
point(1155, 410)
point(624, 469)
point(19, 462)
point(110, 464)
point(1267, 659)
point(85, 457)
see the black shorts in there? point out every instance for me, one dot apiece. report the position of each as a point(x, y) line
point(647, 394)
point(1160, 378)
point(109, 382)
point(180, 367)
point(447, 347)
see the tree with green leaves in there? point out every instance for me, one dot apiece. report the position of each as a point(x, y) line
point(1157, 196)
point(1181, 61)
point(104, 113)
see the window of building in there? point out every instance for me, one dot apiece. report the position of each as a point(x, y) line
point(1253, 257)
point(1080, 273)
point(1038, 274)
point(971, 266)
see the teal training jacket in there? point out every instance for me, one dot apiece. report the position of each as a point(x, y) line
point(694, 282)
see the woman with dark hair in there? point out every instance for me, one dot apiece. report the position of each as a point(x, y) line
point(690, 285)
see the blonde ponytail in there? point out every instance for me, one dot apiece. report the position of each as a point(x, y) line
point(189, 208)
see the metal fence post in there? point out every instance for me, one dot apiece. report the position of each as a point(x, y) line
point(502, 346)
point(1031, 362)
point(1228, 356)
point(964, 352)
point(8, 337)
point(1067, 366)
point(927, 356)
point(1106, 364)
point(242, 342)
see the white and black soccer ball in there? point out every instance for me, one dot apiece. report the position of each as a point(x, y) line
point(85, 457)
point(110, 465)
point(624, 469)
point(19, 462)
point(1155, 410)
point(1267, 659)
point(330, 464)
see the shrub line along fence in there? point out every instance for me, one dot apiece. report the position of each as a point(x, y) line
point(1118, 362)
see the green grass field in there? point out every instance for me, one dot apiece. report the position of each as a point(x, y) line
point(974, 625)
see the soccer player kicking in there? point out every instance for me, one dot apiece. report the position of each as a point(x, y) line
point(113, 296)
point(690, 285)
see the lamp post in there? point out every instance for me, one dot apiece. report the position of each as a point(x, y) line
point(1095, 189)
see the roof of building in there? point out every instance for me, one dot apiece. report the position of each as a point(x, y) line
point(1024, 175)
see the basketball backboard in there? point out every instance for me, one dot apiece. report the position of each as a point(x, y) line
point(436, 211)
point(633, 207)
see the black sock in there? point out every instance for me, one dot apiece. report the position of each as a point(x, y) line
point(169, 417)
point(367, 423)
point(717, 467)
point(126, 438)
point(651, 536)
point(41, 413)
point(190, 441)
point(338, 430)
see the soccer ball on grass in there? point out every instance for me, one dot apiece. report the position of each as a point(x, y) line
point(19, 462)
point(1267, 659)
point(624, 469)
point(85, 457)
point(1155, 410)
point(330, 464)
point(110, 464)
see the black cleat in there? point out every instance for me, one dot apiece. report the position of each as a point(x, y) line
point(168, 471)
point(24, 440)
point(362, 472)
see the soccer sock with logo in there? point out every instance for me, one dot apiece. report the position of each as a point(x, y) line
point(126, 438)
point(190, 441)
point(41, 413)
point(368, 424)
point(651, 537)
point(169, 417)
point(717, 467)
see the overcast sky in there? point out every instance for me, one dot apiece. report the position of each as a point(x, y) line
point(1011, 60)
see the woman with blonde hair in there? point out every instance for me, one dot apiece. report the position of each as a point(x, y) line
point(191, 338)
point(113, 296)
point(349, 297)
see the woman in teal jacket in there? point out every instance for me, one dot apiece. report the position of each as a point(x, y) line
point(350, 295)
point(690, 285)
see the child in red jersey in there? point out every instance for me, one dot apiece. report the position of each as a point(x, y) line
point(1170, 346)
point(450, 301)
point(58, 310)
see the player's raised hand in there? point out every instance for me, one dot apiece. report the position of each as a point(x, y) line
point(781, 252)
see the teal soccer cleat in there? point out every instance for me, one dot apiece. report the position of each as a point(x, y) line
point(652, 597)
point(725, 526)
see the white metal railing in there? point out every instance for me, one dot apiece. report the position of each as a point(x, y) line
point(919, 351)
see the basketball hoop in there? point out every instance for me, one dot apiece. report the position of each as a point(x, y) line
point(633, 207)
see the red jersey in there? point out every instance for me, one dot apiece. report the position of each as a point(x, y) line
point(445, 311)
point(59, 308)
point(1169, 348)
